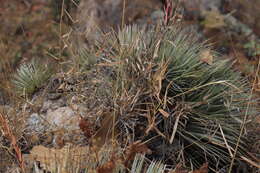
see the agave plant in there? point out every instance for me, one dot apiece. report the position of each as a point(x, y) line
point(153, 167)
point(30, 77)
point(162, 83)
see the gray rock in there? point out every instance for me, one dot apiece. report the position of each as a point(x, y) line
point(63, 117)
point(54, 96)
point(52, 105)
point(35, 123)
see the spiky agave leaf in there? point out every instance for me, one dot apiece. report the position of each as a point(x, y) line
point(161, 69)
point(154, 167)
point(30, 76)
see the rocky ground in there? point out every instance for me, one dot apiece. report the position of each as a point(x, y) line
point(51, 116)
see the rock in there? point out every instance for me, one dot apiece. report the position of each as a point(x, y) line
point(35, 123)
point(56, 122)
point(55, 127)
point(54, 96)
point(63, 117)
point(52, 105)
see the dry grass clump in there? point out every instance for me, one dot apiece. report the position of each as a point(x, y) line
point(9, 135)
point(167, 92)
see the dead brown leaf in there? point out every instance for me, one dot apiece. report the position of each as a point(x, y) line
point(135, 148)
point(86, 127)
point(206, 57)
point(59, 138)
point(108, 167)
point(164, 113)
point(202, 169)
point(105, 133)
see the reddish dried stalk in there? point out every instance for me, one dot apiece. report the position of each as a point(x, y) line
point(168, 11)
point(9, 135)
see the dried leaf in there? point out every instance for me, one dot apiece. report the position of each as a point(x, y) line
point(104, 134)
point(164, 113)
point(135, 148)
point(86, 127)
point(108, 167)
point(33, 139)
point(206, 57)
point(202, 169)
point(59, 138)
